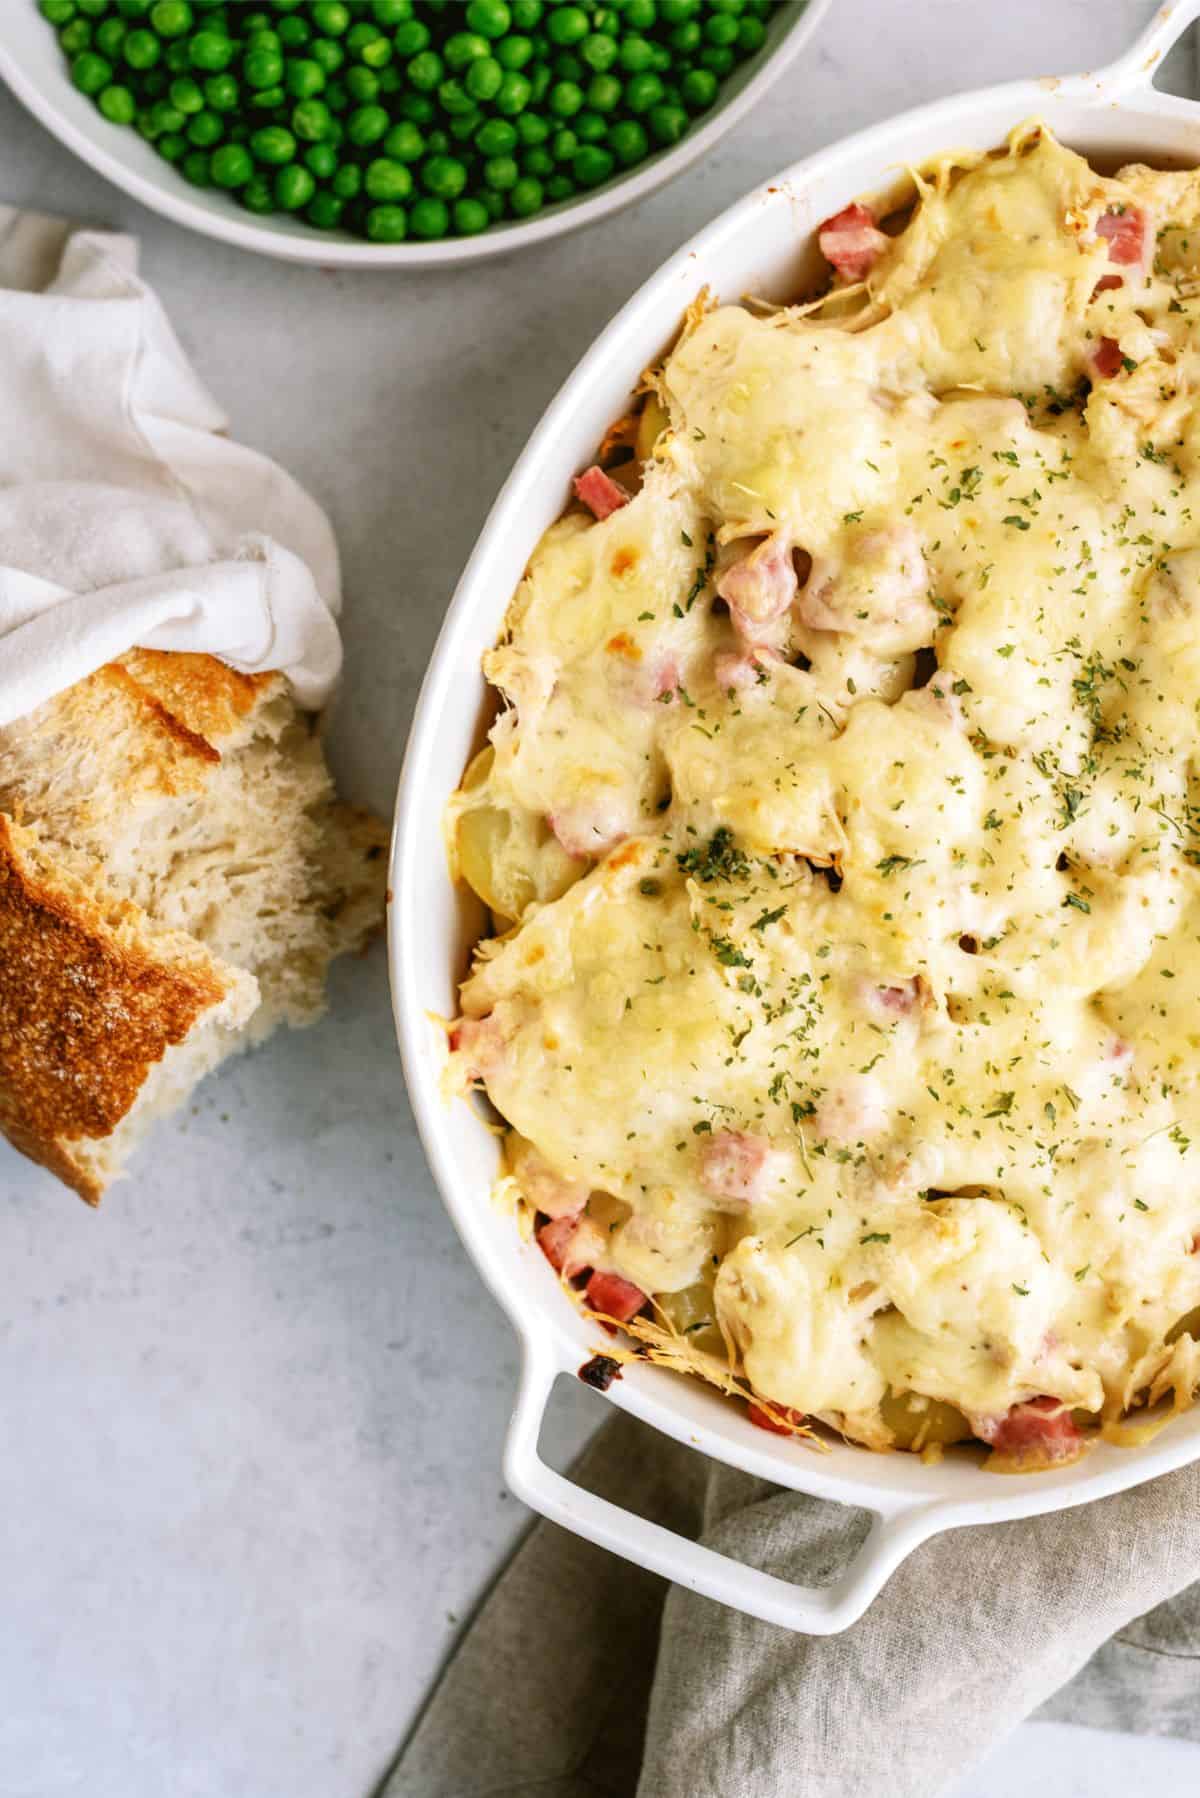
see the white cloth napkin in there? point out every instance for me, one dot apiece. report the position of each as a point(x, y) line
point(127, 517)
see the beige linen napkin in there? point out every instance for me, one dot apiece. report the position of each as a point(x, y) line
point(576, 1681)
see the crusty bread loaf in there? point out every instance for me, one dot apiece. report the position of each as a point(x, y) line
point(175, 877)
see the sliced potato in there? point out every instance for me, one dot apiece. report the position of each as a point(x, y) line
point(692, 1313)
point(917, 1422)
point(509, 857)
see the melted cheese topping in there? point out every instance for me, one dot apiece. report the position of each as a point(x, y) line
point(931, 950)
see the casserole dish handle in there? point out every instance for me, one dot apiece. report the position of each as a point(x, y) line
point(896, 1529)
point(1134, 72)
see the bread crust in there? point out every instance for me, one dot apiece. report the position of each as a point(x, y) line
point(90, 998)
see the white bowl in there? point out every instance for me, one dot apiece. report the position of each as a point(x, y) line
point(34, 67)
point(760, 246)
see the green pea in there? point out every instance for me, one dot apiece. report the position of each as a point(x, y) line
point(388, 180)
point(604, 93)
point(222, 93)
point(717, 58)
point(563, 146)
point(327, 54)
point(360, 35)
point(567, 25)
point(444, 177)
point(559, 187)
point(303, 78)
point(752, 35)
point(491, 18)
point(390, 13)
point(171, 18)
point(500, 173)
point(312, 120)
point(90, 72)
point(721, 30)
point(110, 35)
point(591, 165)
point(186, 95)
point(667, 123)
point(564, 99)
point(464, 48)
point(293, 33)
point(628, 142)
point(117, 104)
point(172, 146)
point(673, 12)
point(176, 60)
point(167, 117)
point(366, 125)
point(641, 14)
point(266, 99)
point(482, 80)
point(389, 224)
point(636, 54)
point(537, 162)
point(698, 89)
point(599, 52)
point(492, 203)
point(212, 51)
point(321, 160)
point(232, 166)
point(294, 187)
point(418, 109)
point(347, 182)
point(324, 211)
point(425, 71)
point(331, 17)
point(273, 144)
point(194, 168)
point(257, 195)
point(526, 198)
point(470, 217)
point(404, 142)
point(642, 92)
point(437, 143)
point(204, 129)
point(514, 93)
point(464, 125)
point(454, 98)
point(263, 68)
point(496, 137)
point(531, 128)
point(57, 12)
point(686, 38)
point(377, 54)
point(526, 14)
point(514, 52)
point(589, 127)
point(568, 67)
point(411, 38)
point(429, 219)
point(362, 85)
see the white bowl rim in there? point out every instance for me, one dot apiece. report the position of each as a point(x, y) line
point(166, 192)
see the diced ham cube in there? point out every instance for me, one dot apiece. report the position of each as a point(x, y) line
point(852, 241)
point(1107, 283)
point(736, 1166)
point(1039, 1433)
point(614, 1297)
point(599, 492)
point(790, 1420)
point(1107, 359)
point(1124, 230)
point(759, 589)
point(665, 678)
point(571, 1245)
point(479, 1042)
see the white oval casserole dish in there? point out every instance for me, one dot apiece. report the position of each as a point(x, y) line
point(763, 245)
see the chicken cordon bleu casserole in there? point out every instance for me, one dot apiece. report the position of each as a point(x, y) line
point(840, 827)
